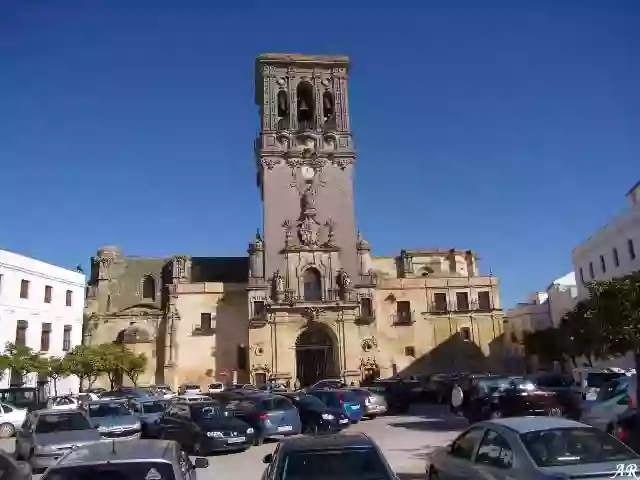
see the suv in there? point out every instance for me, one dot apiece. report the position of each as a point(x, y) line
point(148, 459)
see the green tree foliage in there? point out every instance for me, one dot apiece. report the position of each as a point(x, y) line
point(86, 362)
point(22, 359)
point(54, 368)
point(134, 366)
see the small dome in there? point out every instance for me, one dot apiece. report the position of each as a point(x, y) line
point(362, 244)
point(110, 251)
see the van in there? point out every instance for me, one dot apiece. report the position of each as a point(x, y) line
point(613, 399)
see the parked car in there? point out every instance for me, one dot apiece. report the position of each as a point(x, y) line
point(441, 385)
point(316, 416)
point(14, 469)
point(396, 393)
point(23, 398)
point(269, 415)
point(189, 389)
point(589, 380)
point(496, 397)
point(374, 403)
point(64, 402)
point(191, 398)
point(11, 419)
point(142, 459)
point(627, 429)
point(348, 455)
point(346, 400)
point(47, 435)
point(529, 448)
point(205, 427)
point(113, 419)
point(330, 383)
point(567, 392)
point(216, 387)
point(150, 412)
point(614, 398)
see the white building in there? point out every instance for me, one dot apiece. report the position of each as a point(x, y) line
point(41, 306)
point(614, 250)
point(562, 296)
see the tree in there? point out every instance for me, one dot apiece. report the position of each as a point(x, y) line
point(54, 368)
point(114, 358)
point(22, 359)
point(583, 334)
point(548, 345)
point(86, 363)
point(134, 366)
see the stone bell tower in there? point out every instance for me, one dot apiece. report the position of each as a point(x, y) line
point(303, 265)
point(305, 159)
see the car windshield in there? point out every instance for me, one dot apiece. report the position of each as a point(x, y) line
point(309, 401)
point(192, 387)
point(364, 463)
point(152, 407)
point(487, 386)
point(113, 471)
point(613, 389)
point(215, 385)
point(574, 446)
point(107, 410)
point(62, 423)
point(598, 379)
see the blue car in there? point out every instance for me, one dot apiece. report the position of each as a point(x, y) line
point(150, 412)
point(348, 401)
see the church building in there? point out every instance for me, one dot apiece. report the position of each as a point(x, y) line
point(309, 301)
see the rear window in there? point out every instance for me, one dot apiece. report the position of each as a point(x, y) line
point(334, 464)
point(62, 423)
point(113, 471)
point(153, 407)
point(574, 446)
point(612, 389)
point(349, 397)
point(597, 380)
point(215, 385)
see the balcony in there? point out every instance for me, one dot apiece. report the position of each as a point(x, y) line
point(330, 296)
point(468, 307)
point(203, 331)
point(365, 318)
point(402, 318)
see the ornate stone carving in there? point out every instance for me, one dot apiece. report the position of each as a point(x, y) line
point(308, 230)
point(330, 226)
point(270, 162)
point(104, 263)
point(341, 162)
point(312, 314)
point(181, 268)
point(344, 281)
point(287, 233)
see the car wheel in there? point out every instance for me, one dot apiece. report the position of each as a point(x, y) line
point(7, 430)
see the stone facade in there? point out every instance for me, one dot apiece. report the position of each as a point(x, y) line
point(309, 301)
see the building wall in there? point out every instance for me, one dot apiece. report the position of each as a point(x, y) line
point(13, 269)
point(599, 248)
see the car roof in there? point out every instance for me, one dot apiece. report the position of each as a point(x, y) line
point(107, 401)
point(322, 442)
point(533, 424)
point(52, 411)
point(138, 450)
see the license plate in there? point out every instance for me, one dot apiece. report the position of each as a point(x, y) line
point(285, 428)
point(344, 420)
point(236, 440)
point(355, 407)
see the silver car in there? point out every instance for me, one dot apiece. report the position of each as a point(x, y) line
point(143, 459)
point(114, 420)
point(531, 448)
point(48, 434)
point(374, 403)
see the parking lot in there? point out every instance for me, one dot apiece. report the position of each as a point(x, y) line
point(405, 441)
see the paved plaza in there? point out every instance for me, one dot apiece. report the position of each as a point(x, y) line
point(405, 441)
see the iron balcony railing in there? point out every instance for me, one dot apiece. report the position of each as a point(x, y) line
point(451, 307)
point(329, 296)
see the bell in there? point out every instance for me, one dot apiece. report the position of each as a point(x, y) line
point(303, 105)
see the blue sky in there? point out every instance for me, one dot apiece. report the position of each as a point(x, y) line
point(506, 127)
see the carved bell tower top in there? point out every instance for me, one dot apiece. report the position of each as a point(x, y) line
point(297, 92)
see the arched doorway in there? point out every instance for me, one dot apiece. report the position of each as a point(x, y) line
point(316, 355)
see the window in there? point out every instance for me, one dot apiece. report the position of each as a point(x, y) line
point(68, 298)
point(66, 338)
point(366, 307)
point(149, 288)
point(631, 249)
point(312, 288)
point(328, 111)
point(21, 333)
point(466, 444)
point(306, 105)
point(410, 351)
point(484, 301)
point(24, 289)
point(465, 334)
point(591, 274)
point(45, 337)
point(616, 258)
point(581, 275)
point(243, 357)
point(258, 308)
point(283, 110)
point(440, 301)
point(462, 301)
point(48, 290)
point(495, 451)
point(403, 312)
point(205, 321)
point(603, 265)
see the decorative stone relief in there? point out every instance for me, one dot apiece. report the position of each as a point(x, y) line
point(181, 268)
point(312, 314)
point(342, 162)
point(270, 162)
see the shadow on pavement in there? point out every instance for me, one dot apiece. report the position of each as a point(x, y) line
point(450, 424)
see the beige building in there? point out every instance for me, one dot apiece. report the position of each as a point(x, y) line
point(309, 301)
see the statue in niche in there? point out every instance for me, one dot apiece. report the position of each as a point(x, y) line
point(278, 281)
point(344, 281)
point(308, 232)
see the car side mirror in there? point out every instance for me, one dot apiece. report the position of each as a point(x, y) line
point(268, 458)
point(200, 463)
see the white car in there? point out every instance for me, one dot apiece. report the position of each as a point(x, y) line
point(65, 402)
point(11, 419)
point(216, 387)
point(189, 388)
point(192, 398)
point(614, 398)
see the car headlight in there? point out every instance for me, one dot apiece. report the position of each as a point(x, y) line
point(250, 430)
point(103, 429)
point(215, 434)
point(328, 416)
point(137, 426)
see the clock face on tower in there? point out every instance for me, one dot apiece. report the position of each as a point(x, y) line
point(307, 172)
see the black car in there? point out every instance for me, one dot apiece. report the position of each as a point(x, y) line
point(627, 429)
point(205, 427)
point(397, 393)
point(347, 455)
point(316, 416)
point(568, 394)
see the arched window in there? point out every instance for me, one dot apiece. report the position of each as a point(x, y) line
point(312, 285)
point(328, 111)
point(149, 288)
point(283, 110)
point(306, 106)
